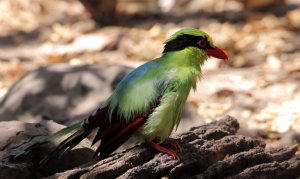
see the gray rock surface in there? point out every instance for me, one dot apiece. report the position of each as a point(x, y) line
point(213, 150)
point(61, 92)
point(17, 135)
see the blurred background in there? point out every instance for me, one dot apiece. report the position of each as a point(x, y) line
point(60, 59)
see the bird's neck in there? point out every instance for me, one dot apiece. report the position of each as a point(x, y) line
point(187, 63)
point(189, 57)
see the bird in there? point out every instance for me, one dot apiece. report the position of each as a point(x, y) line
point(147, 103)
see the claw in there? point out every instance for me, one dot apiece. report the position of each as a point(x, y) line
point(161, 149)
point(173, 144)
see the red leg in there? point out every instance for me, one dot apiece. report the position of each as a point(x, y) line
point(161, 149)
point(174, 145)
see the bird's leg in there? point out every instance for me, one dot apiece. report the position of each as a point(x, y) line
point(161, 149)
point(173, 144)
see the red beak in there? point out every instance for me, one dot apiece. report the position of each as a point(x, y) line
point(217, 53)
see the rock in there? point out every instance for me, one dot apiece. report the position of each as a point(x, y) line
point(254, 133)
point(60, 92)
point(17, 135)
point(213, 150)
point(291, 137)
point(209, 151)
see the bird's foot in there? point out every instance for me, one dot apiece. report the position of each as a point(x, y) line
point(161, 149)
point(173, 144)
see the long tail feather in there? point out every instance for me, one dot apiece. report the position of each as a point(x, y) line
point(66, 145)
point(63, 132)
point(78, 132)
point(21, 152)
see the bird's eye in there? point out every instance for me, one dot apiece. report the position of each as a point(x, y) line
point(202, 43)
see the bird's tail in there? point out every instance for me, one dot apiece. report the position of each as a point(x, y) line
point(78, 134)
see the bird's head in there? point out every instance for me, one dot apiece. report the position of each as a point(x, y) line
point(190, 37)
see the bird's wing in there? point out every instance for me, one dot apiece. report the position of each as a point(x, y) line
point(114, 134)
point(140, 90)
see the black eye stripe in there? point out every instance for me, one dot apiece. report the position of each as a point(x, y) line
point(184, 41)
